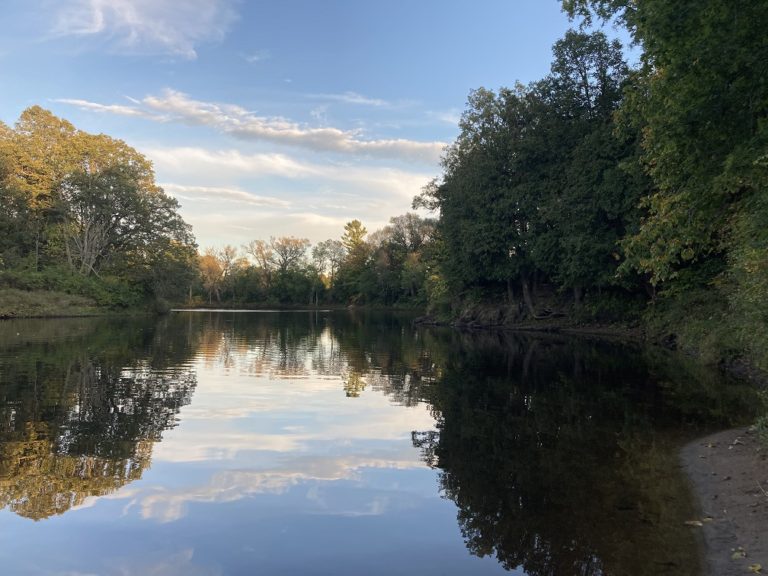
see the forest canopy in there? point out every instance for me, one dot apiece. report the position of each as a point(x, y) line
point(82, 212)
point(628, 188)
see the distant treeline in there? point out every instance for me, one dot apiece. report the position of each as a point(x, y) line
point(394, 265)
point(81, 213)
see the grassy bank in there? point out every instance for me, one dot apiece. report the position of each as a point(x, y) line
point(57, 291)
point(42, 303)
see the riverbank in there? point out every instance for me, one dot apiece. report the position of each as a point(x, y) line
point(729, 475)
point(729, 357)
point(492, 319)
point(15, 303)
point(239, 307)
point(45, 304)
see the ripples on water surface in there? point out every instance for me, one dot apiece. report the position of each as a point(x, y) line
point(214, 443)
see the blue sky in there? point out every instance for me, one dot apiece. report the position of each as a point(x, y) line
point(274, 118)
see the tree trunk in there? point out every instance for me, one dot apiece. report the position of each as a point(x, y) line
point(577, 296)
point(527, 360)
point(527, 296)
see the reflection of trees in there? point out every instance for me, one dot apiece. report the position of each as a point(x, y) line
point(83, 407)
point(558, 454)
point(561, 456)
point(258, 344)
point(389, 354)
point(83, 400)
point(36, 481)
point(354, 384)
point(367, 351)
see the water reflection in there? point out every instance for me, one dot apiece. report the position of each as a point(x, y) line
point(555, 456)
point(378, 350)
point(561, 454)
point(82, 408)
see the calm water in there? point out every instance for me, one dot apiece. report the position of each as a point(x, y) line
point(341, 444)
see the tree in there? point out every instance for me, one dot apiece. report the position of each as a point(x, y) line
point(288, 251)
point(700, 101)
point(14, 217)
point(354, 237)
point(586, 200)
point(211, 274)
point(263, 254)
point(228, 262)
point(328, 256)
point(355, 277)
point(487, 202)
point(41, 150)
point(112, 212)
point(90, 202)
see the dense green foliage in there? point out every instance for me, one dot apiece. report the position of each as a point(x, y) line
point(604, 183)
point(81, 214)
point(533, 190)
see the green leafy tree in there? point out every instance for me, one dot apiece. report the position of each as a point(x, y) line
point(356, 279)
point(328, 256)
point(487, 214)
point(587, 200)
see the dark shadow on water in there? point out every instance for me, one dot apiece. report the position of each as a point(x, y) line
point(561, 454)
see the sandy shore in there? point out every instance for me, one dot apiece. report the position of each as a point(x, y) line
point(729, 473)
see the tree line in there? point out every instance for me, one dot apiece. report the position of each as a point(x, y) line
point(603, 184)
point(390, 266)
point(81, 213)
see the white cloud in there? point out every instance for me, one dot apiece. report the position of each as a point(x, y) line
point(166, 505)
point(200, 161)
point(218, 194)
point(147, 26)
point(354, 98)
point(234, 120)
point(258, 56)
point(247, 196)
point(214, 164)
point(452, 116)
point(240, 226)
point(320, 114)
point(119, 109)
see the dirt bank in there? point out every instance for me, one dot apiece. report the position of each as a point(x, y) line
point(729, 473)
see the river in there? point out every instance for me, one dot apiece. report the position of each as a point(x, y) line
point(344, 443)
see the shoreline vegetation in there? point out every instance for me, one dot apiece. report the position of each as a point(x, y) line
point(45, 304)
